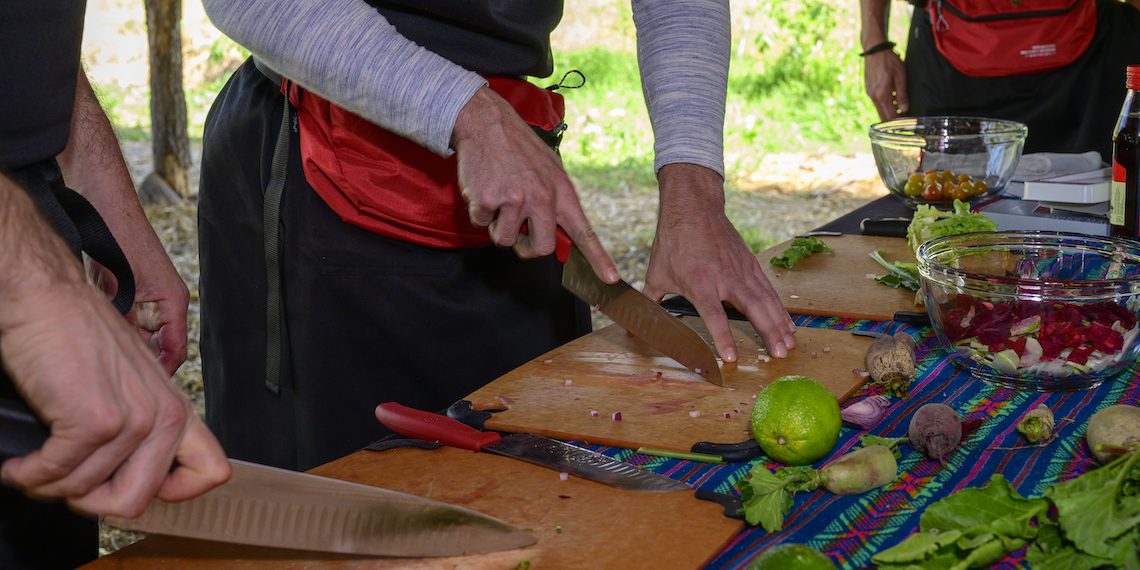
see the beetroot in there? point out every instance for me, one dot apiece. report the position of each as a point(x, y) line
point(935, 430)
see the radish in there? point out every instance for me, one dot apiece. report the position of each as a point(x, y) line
point(1114, 431)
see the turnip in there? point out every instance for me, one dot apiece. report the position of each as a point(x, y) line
point(935, 430)
point(1113, 431)
point(860, 471)
point(1037, 425)
point(890, 362)
point(766, 496)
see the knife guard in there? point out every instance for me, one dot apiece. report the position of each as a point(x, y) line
point(461, 411)
point(733, 507)
point(22, 431)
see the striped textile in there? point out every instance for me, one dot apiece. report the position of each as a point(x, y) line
point(851, 529)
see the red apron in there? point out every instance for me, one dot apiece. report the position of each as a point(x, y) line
point(377, 180)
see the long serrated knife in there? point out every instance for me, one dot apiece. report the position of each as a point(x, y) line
point(635, 312)
point(543, 451)
point(266, 506)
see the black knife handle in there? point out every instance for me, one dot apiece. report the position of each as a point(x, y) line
point(889, 227)
point(682, 306)
point(733, 508)
point(730, 452)
point(912, 318)
point(20, 432)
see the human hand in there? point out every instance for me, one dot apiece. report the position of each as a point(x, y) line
point(161, 303)
point(121, 433)
point(884, 77)
point(699, 254)
point(509, 176)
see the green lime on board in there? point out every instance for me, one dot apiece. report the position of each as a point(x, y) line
point(791, 557)
point(796, 420)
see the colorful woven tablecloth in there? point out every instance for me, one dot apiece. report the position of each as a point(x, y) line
point(851, 529)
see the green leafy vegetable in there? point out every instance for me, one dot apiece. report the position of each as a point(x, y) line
point(799, 249)
point(765, 498)
point(1097, 524)
point(899, 274)
point(930, 222)
point(1099, 512)
point(972, 528)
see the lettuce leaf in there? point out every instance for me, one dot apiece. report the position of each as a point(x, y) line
point(930, 222)
point(799, 249)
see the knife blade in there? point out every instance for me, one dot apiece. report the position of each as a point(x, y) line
point(536, 449)
point(266, 506)
point(635, 312)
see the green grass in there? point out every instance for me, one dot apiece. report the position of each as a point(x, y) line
point(801, 89)
point(795, 84)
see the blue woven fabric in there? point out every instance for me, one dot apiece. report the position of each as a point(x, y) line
point(851, 529)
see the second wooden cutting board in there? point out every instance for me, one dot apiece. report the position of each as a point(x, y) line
point(837, 284)
point(574, 391)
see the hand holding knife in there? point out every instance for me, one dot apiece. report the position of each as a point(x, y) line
point(635, 312)
point(266, 506)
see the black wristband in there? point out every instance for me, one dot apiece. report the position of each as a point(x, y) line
point(884, 46)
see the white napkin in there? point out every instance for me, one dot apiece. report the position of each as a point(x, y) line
point(1040, 165)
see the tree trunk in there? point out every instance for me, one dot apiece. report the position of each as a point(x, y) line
point(170, 142)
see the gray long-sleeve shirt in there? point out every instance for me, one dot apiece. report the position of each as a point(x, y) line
point(347, 52)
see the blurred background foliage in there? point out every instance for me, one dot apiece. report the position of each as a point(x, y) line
point(795, 81)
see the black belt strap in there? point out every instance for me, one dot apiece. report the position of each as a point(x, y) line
point(275, 327)
point(80, 225)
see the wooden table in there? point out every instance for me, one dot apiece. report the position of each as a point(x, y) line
point(578, 523)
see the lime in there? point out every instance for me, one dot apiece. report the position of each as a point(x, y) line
point(796, 420)
point(791, 557)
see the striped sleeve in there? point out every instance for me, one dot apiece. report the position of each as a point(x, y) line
point(683, 49)
point(347, 52)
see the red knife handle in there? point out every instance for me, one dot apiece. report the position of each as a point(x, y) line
point(562, 242)
point(433, 427)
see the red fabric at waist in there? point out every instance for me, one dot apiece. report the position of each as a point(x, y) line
point(377, 180)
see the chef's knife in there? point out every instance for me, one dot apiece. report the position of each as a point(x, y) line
point(542, 451)
point(636, 313)
point(266, 506)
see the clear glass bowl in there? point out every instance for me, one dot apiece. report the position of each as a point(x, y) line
point(978, 150)
point(1034, 310)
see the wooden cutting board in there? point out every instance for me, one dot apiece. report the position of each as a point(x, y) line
point(836, 285)
point(662, 403)
point(578, 523)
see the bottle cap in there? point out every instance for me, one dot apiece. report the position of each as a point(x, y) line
point(1132, 77)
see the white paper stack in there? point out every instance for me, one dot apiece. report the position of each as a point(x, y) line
point(1081, 188)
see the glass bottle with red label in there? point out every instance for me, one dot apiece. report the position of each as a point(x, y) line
point(1124, 213)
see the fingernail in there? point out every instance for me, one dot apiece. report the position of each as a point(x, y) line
point(789, 342)
point(613, 277)
point(779, 351)
point(729, 355)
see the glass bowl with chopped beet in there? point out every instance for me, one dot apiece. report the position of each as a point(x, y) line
point(935, 160)
point(1034, 310)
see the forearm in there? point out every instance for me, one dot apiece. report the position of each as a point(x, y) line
point(875, 15)
point(33, 258)
point(683, 49)
point(347, 52)
point(93, 165)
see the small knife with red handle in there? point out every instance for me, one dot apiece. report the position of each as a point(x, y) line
point(542, 451)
